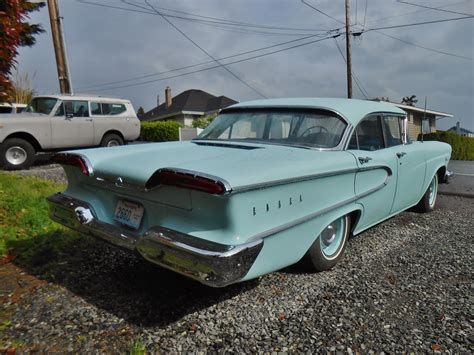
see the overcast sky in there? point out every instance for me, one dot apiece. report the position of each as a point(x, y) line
point(106, 45)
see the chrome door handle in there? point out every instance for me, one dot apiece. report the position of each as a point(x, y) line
point(89, 119)
point(401, 154)
point(364, 160)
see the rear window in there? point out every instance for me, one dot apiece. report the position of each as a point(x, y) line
point(102, 108)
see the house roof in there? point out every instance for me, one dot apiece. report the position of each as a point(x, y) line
point(463, 130)
point(195, 101)
point(422, 110)
point(351, 109)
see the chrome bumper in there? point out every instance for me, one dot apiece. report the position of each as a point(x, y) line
point(210, 263)
point(448, 176)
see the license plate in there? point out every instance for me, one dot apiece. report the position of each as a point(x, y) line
point(129, 213)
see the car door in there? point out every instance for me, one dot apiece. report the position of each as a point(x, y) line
point(376, 178)
point(72, 125)
point(411, 163)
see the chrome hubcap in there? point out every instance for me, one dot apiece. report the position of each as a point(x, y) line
point(432, 192)
point(16, 155)
point(113, 143)
point(329, 234)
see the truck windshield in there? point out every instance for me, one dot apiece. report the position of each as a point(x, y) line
point(41, 105)
point(299, 128)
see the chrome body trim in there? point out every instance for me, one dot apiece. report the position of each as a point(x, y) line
point(86, 160)
point(210, 263)
point(448, 176)
point(328, 209)
point(192, 173)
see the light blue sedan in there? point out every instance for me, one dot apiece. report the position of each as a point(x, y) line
point(267, 184)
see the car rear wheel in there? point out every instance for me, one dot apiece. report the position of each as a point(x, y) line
point(328, 248)
point(428, 201)
point(16, 154)
point(111, 140)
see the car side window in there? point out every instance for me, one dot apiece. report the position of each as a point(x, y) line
point(76, 108)
point(368, 135)
point(392, 125)
point(101, 108)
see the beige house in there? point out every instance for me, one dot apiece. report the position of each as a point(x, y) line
point(187, 106)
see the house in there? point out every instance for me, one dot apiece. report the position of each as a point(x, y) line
point(461, 131)
point(420, 119)
point(187, 106)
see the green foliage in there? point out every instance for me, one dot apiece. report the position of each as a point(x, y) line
point(160, 131)
point(137, 347)
point(23, 208)
point(463, 147)
point(203, 122)
point(140, 112)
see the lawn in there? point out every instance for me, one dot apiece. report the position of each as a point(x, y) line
point(24, 216)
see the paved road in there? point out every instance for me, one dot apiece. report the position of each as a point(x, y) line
point(463, 182)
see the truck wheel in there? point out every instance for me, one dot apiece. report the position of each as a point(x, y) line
point(328, 248)
point(428, 201)
point(111, 140)
point(16, 154)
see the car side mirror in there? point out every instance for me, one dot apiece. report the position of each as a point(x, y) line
point(69, 115)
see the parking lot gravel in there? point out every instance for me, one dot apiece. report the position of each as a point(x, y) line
point(404, 285)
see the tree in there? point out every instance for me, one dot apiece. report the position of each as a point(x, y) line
point(203, 122)
point(21, 90)
point(140, 112)
point(15, 32)
point(409, 100)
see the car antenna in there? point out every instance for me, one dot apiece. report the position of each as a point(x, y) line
point(424, 118)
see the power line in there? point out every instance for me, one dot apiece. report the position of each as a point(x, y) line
point(202, 63)
point(321, 12)
point(434, 8)
point(421, 23)
point(354, 76)
point(201, 21)
point(365, 11)
point(415, 12)
point(218, 66)
point(205, 52)
point(423, 47)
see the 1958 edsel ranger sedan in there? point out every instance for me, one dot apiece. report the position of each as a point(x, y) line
point(267, 184)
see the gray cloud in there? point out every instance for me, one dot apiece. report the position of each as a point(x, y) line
point(106, 45)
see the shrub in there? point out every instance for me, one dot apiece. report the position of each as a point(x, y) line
point(463, 147)
point(160, 131)
point(203, 122)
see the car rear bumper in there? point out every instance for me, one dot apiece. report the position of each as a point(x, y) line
point(210, 263)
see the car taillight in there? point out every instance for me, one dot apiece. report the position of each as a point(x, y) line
point(73, 160)
point(187, 180)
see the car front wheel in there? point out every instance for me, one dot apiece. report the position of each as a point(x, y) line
point(16, 154)
point(328, 248)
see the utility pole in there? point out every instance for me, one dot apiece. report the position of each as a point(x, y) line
point(58, 42)
point(348, 51)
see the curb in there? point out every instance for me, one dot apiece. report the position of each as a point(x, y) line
point(460, 194)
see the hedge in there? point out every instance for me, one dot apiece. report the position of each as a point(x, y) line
point(160, 131)
point(463, 147)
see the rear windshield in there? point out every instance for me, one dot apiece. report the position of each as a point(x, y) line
point(299, 128)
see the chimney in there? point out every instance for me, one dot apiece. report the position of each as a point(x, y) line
point(157, 100)
point(458, 128)
point(168, 98)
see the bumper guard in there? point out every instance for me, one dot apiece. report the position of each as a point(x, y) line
point(210, 263)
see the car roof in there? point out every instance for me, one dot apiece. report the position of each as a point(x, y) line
point(86, 97)
point(351, 109)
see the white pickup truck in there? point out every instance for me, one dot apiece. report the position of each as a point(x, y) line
point(57, 122)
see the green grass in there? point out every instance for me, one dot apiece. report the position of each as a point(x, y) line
point(24, 210)
point(137, 347)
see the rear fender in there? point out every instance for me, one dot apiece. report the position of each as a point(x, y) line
point(288, 247)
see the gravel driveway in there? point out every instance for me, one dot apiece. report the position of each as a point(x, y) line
point(404, 285)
